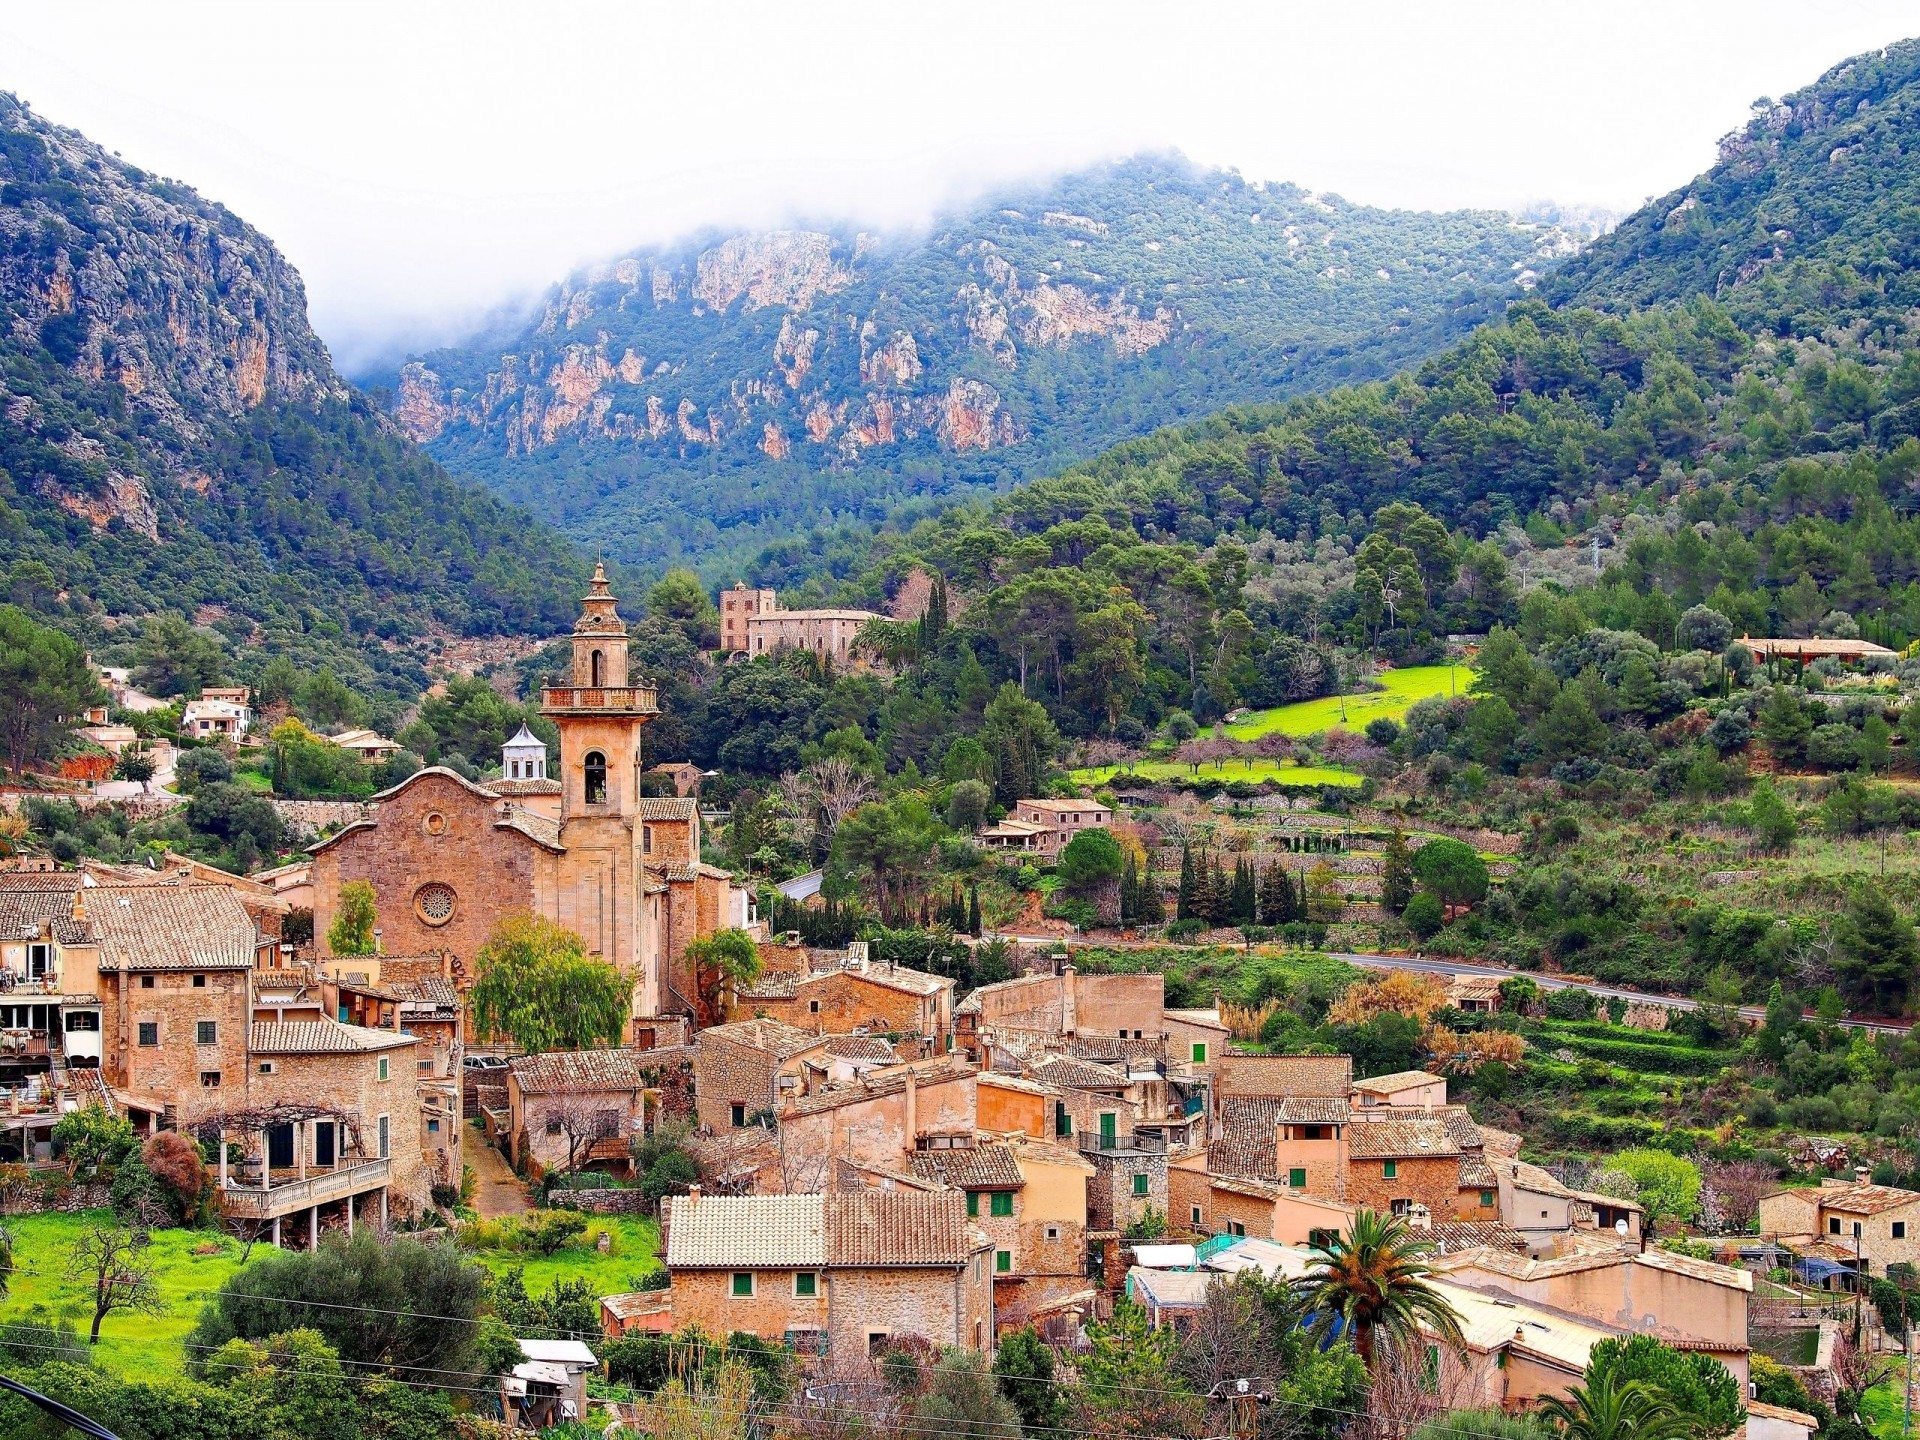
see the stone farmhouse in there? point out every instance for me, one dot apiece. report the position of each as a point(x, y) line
point(837, 1273)
point(1043, 827)
point(752, 623)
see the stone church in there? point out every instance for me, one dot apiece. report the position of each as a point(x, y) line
point(447, 857)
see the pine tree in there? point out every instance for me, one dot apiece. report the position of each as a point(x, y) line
point(1189, 887)
point(1396, 874)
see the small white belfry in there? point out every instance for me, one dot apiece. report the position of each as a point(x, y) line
point(524, 757)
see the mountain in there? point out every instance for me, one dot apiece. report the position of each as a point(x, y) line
point(175, 438)
point(699, 400)
point(1811, 212)
point(1733, 425)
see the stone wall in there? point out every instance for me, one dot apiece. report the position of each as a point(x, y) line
point(307, 818)
point(601, 1202)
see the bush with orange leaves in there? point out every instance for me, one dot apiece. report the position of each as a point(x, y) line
point(177, 1164)
point(1463, 1052)
point(1405, 992)
point(1245, 1022)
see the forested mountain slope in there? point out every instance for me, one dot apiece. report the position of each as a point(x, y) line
point(1747, 434)
point(173, 437)
point(696, 401)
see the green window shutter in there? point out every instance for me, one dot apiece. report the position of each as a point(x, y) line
point(806, 1283)
point(1062, 1122)
point(743, 1283)
point(1199, 1052)
point(1002, 1261)
point(1486, 1197)
point(1139, 1184)
point(1297, 1177)
point(1000, 1202)
point(1390, 1169)
point(973, 1204)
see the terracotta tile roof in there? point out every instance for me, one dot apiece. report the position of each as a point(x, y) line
point(974, 1167)
point(167, 927)
point(860, 1047)
point(1330, 1076)
point(896, 977)
point(772, 985)
point(1066, 1072)
point(25, 911)
point(523, 787)
point(1398, 1081)
point(775, 1038)
point(1453, 1236)
point(1017, 1082)
point(1476, 1173)
point(893, 1228)
point(1246, 1144)
point(659, 807)
point(1064, 807)
point(321, 1037)
point(64, 881)
point(1499, 1142)
point(683, 873)
point(1460, 1125)
point(1782, 1414)
point(1732, 1277)
point(1864, 1199)
point(589, 1072)
point(1400, 1137)
point(537, 828)
point(740, 1232)
point(429, 989)
point(871, 1086)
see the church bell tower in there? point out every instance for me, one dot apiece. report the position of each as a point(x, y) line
point(600, 715)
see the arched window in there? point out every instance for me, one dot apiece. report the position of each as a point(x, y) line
point(598, 666)
point(596, 769)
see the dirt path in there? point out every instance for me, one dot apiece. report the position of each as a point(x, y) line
point(500, 1191)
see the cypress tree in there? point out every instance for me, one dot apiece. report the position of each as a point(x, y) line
point(1220, 911)
point(1396, 874)
point(1189, 886)
point(1150, 907)
point(1243, 907)
point(1276, 896)
point(973, 909)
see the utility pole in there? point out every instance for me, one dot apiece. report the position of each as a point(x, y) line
point(1242, 1397)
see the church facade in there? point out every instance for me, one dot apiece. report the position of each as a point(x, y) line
point(447, 857)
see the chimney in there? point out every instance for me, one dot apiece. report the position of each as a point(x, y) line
point(376, 939)
point(693, 1196)
point(1069, 1010)
point(1860, 1172)
point(913, 1105)
point(79, 904)
point(1419, 1217)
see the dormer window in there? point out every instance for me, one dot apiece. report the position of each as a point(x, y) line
point(596, 767)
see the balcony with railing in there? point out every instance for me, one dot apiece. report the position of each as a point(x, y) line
point(597, 699)
point(285, 1196)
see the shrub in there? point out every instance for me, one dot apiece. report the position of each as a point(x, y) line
point(1423, 916)
point(551, 1231)
point(1572, 1003)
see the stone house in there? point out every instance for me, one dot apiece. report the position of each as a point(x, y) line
point(841, 994)
point(586, 1108)
point(415, 995)
point(878, 1120)
point(1545, 1210)
point(747, 1067)
point(1687, 1303)
point(1296, 1141)
point(1404, 1089)
point(1045, 826)
point(1516, 1354)
point(331, 1117)
point(1013, 1104)
point(1129, 1183)
point(1400, 1161)
point(1883, 1219)
point(840, 1273)
point(1213, 1204)
point(1094, 1104)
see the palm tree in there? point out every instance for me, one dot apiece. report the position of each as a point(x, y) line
point(1373, 1284)
point(1606, 1409)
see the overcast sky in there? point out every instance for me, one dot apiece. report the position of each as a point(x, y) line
point(422, 163)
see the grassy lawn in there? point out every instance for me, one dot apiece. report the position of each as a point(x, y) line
point(1882, 1408)
point(143, 1347)
point(1253, 768)
point(1404, 687)
point(634, 1251)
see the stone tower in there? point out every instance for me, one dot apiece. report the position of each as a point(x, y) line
point(601, 887)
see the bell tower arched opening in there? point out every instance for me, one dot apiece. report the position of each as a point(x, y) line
point(595, 766)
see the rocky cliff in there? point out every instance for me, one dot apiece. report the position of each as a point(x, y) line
point(665, 404)
point(175, 436)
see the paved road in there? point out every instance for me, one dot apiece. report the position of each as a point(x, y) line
point(1436, 965)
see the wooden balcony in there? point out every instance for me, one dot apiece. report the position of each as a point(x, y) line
point(604, 699)
point(294, 1194)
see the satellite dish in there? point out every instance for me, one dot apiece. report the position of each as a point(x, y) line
point(1620, 1228)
